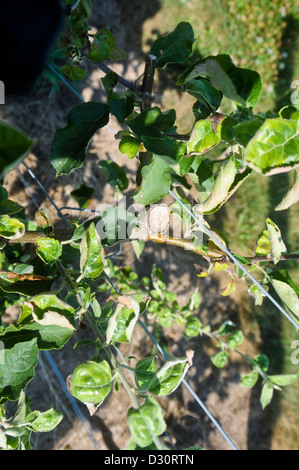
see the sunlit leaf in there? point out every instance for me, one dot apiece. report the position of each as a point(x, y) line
point(91, 382)
point(17, 369)
point(129, 146)
point(11, 228)
point(92, 255)
point(287, 290)
point(48, 249)
point(274, 146)
point(146, 422)
point(45, 421)
point(122, 322)
point(277, 245)
point(267, 394)
point(291, 197)
point(160, 382)
point(220, 359)
point(156, 181)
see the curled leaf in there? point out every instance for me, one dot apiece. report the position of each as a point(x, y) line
point(291, 197)
point(90, 383)
point(11, 228)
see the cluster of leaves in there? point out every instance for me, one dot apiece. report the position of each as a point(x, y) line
point(77, 41)
point(263, 25)
point(262, 143)
point(164, 309)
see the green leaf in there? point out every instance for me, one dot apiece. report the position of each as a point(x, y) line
point(91, 381)
point(3, 193)
point(255, 291)
point(262, 362)
point(250, 379)
point(235, 339)
point(263, 245)
point(48, 336)
point(174, 47)
point(238, 84)
point(146, 422)
point(46, 421)
point(246, 130)
point(121, 105)
point(267, 394)
point(14, 146)
point(203, 178)
point(43, 219)
point(220, 359)
point(275, 145)
point(17, 369)
point(277, 245)
point(227, 181)
point(203, 138)
point(48, 249)
point(164, 381)
point(283, 379)
point(122, 322)
point(115, 224)
point(73, 72)
point(156, 181)
point(70, 144)
point(117, 53)
point(166, 146)
point(129, 146)
point(152, 122)
point(48, 309)
point(115, 175)
point(208, 98)
point(82, 194)
point(11, 228)
point(109, 81)
point(9, 207)
point(193, 327)
point(291, 197)
point(102, 46)
point(287, 290)
point(27, 284)
point(91, 254)
point(133, 446)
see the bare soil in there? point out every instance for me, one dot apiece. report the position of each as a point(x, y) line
point(235, 407)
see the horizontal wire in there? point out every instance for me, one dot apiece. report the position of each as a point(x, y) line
point(233, 258)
